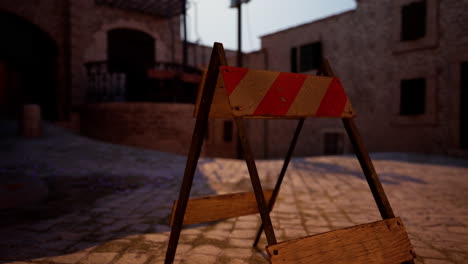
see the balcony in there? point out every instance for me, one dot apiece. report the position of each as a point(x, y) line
point(163, 82)
point(159, 8)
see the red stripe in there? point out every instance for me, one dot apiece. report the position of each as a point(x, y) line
point(334, 100)
point(232, 77)
point(281, 94)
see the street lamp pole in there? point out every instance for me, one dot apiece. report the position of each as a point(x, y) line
point(239, 34)
point(185, 46)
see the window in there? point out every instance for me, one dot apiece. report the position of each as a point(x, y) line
point(464, 105)
point(293, 59)
point(333, 143)
point(227, 132)
point(413, 97)
point(310, 56)
point(413, 21)
point(306, 57)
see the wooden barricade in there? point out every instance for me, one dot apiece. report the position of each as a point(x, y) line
point(239, 93)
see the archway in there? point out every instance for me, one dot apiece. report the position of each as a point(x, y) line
point(28, 58)
point(131, 52)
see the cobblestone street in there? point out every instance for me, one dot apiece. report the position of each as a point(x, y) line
point(125, 219)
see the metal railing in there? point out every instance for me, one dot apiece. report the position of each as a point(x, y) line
point(105, 86)
point(163, 82)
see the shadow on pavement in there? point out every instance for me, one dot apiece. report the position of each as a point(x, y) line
point(94, 193)
point(79, 213)
point(421, 158)
point(322, 167)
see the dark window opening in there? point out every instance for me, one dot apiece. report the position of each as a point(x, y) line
point(464, 106)
point(293, 59)
point(310, 56)
point(413, 21)
point(413, 97)
point(333, 143)
point(227, 132)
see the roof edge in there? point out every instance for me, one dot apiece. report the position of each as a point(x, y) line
point(311, 22)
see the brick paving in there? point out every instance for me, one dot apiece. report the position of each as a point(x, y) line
point(127, 222)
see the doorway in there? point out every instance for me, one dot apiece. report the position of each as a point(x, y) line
point(27, 68)
point(464, 105)
point(131, 52)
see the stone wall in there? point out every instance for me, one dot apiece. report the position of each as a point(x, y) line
point(163, 127)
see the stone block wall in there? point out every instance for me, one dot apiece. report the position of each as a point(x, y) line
point(163, 127)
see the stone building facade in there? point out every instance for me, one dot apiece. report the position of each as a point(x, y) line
point(89, 44)
point(68, 55)
point(78, 33)
point(403, 64)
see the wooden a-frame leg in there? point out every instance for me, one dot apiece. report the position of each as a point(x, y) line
point(217, 59)
point(367, 167)
point(279, 181)
point(256, 185)
point(373, 181)
point(363, 157)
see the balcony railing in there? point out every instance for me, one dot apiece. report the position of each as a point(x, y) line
point(161, 8)
point(164, 82)
point(105, 86)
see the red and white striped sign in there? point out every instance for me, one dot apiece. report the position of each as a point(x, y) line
point(255, 93)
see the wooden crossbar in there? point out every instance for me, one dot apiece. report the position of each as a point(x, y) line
point(242, 92)
point(219, 207)
point(382, 242)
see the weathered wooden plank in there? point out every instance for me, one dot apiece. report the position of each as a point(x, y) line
point(268, 94)
point(382, 242)
point(218, 207)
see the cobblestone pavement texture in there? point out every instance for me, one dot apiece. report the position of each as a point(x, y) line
point(109, 204)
